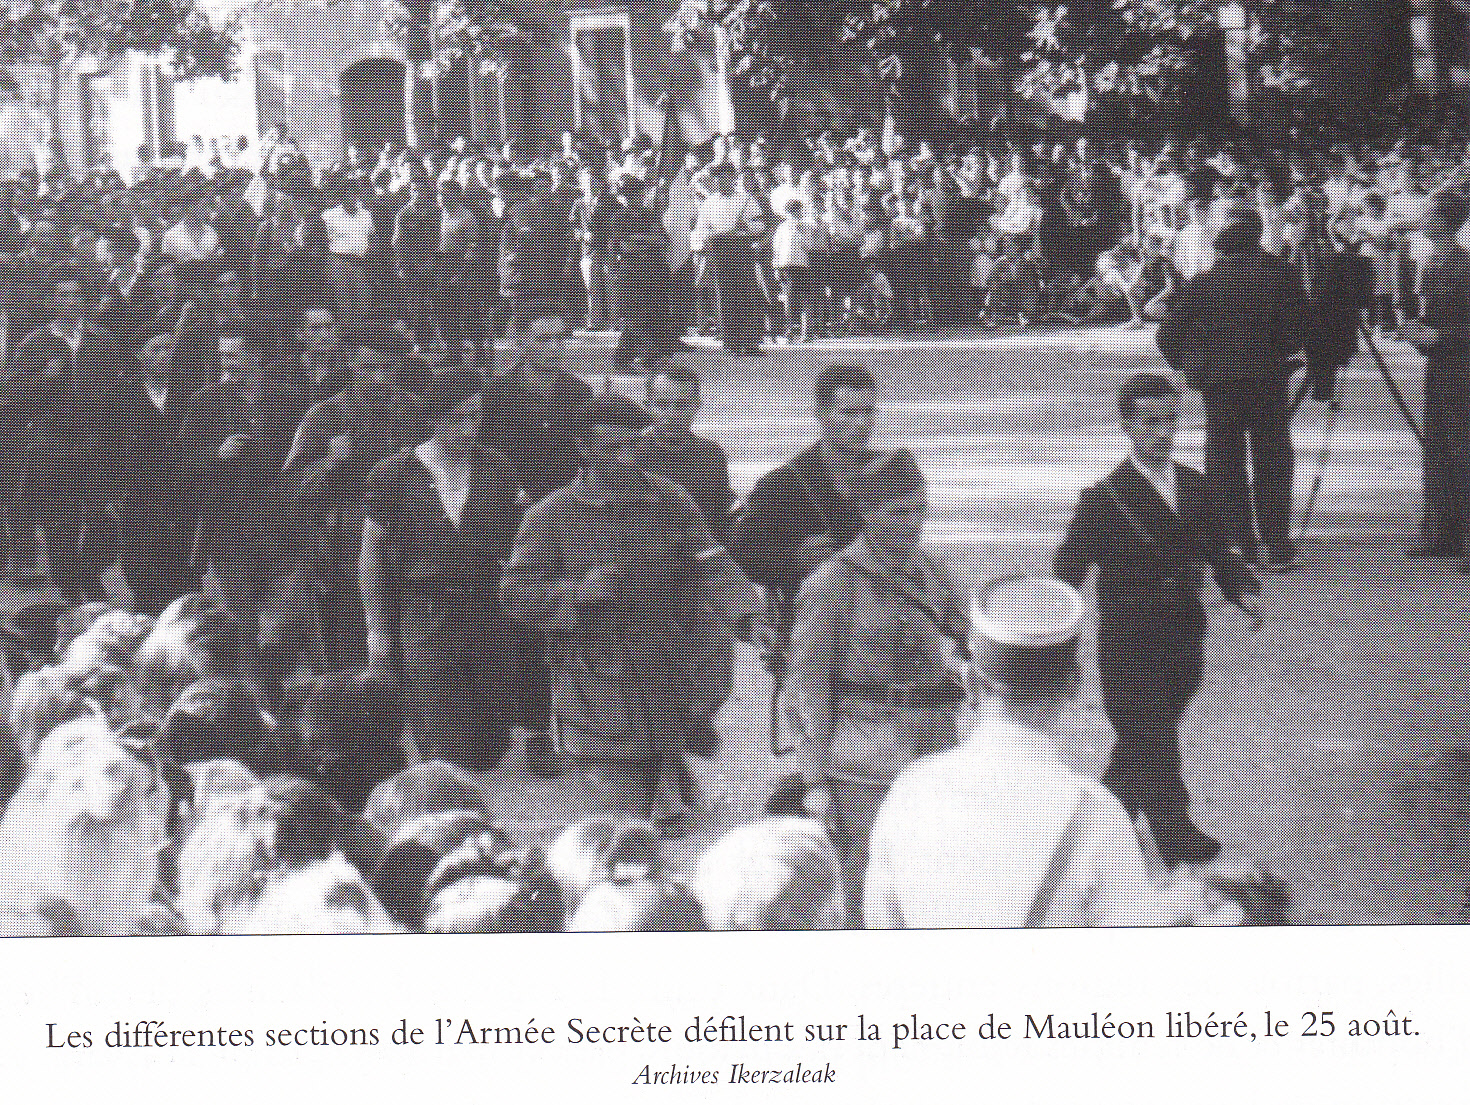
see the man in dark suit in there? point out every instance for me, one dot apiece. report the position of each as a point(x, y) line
point(56, 427)
point(1149, 529)
point(1231, 331)
point(154, 518)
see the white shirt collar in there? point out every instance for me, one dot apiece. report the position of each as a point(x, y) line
point(1165, 483)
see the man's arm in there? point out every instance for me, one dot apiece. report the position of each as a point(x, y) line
point(1078, 551)
point(536, 586)
point(763, 535)
point(313, 463)
point(376, 579)
point(806, 704)
point(725, 586)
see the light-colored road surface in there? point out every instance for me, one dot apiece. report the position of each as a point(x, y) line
point(1332, 743)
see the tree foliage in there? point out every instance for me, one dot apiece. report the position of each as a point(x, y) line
point(1084, 51)
point(177, 32)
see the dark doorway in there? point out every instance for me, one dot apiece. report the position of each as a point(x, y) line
point(372, 103)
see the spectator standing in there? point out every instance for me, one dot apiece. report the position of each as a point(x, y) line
point(728, 223)
point(1230, 332)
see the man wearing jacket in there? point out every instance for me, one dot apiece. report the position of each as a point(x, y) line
point(55, 418)
point(1147, 527)
point(1230, 332)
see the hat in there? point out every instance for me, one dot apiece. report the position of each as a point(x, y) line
point(1025, 635)
point(1027, 612)
point(888, 477)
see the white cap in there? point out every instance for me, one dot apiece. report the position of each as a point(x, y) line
point(1027, 611)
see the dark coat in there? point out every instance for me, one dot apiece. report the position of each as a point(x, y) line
point(786, 506)
point(1150, 563)
point(1236, 323)
point(538, 434)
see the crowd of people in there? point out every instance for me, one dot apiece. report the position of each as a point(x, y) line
point(374, 534)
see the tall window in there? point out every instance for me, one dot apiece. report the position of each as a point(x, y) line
point(602, 51)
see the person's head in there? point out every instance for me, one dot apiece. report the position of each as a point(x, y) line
point(1023, 646)
point(1241, 234)
point(430, 787)
point(539, 352)
point(588, 853)
point(453, 405)
point(844, 398)
point(673, 398)
point(451, 195)
point(351, 724)
point(225, 862)
point(241, 355)
point(220, 719)
point(87, 825)
point(726, 175)
point(402, 877)
point(609, 429)
point(155, 359)
point(316, 329)
point(227, 293)
point(375, 356)
point(778, 873)
point(66, 296)
point(1444, 217)
point(637, 905)
point(892, 497)
point(327, 897)
point(1148, 409)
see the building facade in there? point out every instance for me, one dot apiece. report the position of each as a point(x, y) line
point(329, 74)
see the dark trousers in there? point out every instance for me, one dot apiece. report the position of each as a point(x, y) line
point(1446, 457)
point(1145, 697)
point(738, 288)
point(455, 659)
point(153, 552)
point(59, 510)
point(1252, 416)
point(344, 627)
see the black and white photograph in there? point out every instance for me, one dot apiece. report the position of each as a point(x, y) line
point(534, 466)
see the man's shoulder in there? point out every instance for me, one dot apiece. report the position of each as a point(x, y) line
point(794, 474)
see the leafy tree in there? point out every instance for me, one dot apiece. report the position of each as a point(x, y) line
point(1140, 55)
point(177, 32)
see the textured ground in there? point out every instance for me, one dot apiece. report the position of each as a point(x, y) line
point(1333, 742)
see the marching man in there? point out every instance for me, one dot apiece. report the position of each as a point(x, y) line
point(1149, 529)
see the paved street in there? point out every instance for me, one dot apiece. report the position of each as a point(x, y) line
point(1333, 743)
